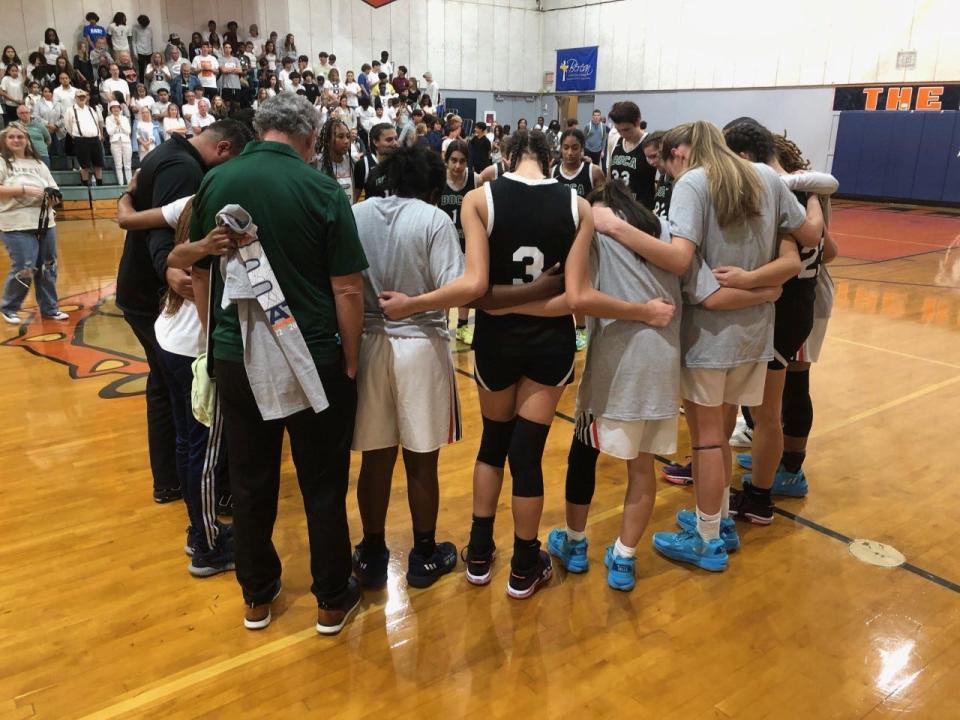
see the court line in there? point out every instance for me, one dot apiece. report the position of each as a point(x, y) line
point(895, 352)
point(893, 282)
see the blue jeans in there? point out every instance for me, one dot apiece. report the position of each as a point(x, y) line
point(31, 261)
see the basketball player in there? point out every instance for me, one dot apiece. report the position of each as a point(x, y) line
point(524, 358)
point(494, 171)
point(627, 163)
point(407, 391)
point(460, 179)
point(574, 171)
point(366, 178)
point(333, 155)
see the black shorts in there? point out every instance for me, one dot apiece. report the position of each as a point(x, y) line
point(495, 371)
point(89, 152)
point(791, 327)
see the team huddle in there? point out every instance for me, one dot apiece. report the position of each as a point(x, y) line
point(696, 257)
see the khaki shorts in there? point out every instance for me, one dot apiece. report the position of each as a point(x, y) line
point(406, 394)
point(711, 387)
point(626, 439)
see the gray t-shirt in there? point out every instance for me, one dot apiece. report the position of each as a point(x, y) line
point(728, 338)
point(229, 81)
point(413, 248)
point(632, 371)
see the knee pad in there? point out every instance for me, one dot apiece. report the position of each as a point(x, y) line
point(495, 441)
point(526, 457)
point(581, 472)
point(797, 405)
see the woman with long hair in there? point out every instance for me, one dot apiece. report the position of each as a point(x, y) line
point(24, 182)
point(52, 48)
point(8, 58)
point(11, 92)
point(270, 55)
point(173, 124)
point(333, 154)
point(290, 47)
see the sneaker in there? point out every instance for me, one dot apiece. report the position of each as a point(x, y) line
point(572, 554)
point(163, 496)
point(581, 339)
point(621, 573)
point(746, 505)
point(332, 618)
point(786, 483)
point(745, 460)
point(523, 585)
point(742, 436)
point(479, 566)
point(257, 616)
point(689, 547)
point(57, 316)
point(465, 334)
point(678, 474)
point(423, 572)
point(12, 318)
point(218, 560)
point(370, 571)
point(687, 521)
point(225, 505)
point(193, 541)
point(194, 538)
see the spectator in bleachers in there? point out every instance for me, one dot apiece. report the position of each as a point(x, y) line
point(114, 84)
point(141, 100)
point(9, 58)
point(262, 97)
point(148, 133)
point(231, 70)
point(11, 91)
point(202, 117)
point(92, 31)
point(100, 54)
point(50, 113)
point(33, 96)
point(82, 63)
point(142, 35)
point(183, 83)
point(127, 71)
point(39, 135)
point(211, 34)
point(206, 67)
point(85, 127)
point(118, 130)
point(174, 43)
point(218, 108)
point(196, 41)
point(65, 94)
point(52, 48)
point(253, 36)
point(156, 74)
point(189, 109)
point(119, 33)
point(173, 124)
point(160, 107)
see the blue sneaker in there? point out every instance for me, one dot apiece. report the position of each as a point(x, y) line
point(620, 571)
point(745, 460)
point(687, 521)
point(786, 483)
point(572, 554)
point(689, 547)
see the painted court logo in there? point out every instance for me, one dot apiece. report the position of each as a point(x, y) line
point(94, 343)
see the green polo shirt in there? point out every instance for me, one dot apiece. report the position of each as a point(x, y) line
point(307, 230)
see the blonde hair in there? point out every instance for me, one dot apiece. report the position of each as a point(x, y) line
point(735, 187)
point(28, 150)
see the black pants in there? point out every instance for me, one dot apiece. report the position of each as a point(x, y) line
point(89, 152)
point(142, 62)
point(161, 431)
point(320, 445)
point(594, 156)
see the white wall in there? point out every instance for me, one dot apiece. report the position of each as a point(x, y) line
point(692, 44)
point(475, 44)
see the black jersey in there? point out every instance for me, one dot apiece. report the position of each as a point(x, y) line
point(581, 182)
point(368, 175)
point(633, 170)
point(661, 199)
point(531, 226)
point(805, 283)
point(451, 200)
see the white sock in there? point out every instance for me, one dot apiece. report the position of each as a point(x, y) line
point(725, 503)
point(708, 525)
point(621, 550)
point(574, 536)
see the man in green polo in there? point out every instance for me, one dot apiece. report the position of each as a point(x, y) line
point(307, 232)
point(39, 135)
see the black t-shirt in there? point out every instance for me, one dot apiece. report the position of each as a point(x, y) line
point(523, 244)
point(480, 152)
point(633, 170)
point(312, 92)
point(661, 199)
point(171, 171)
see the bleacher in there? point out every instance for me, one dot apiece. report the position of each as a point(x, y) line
point(67, 174)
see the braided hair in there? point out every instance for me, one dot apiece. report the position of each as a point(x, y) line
point(789, 155)
point(751, 139)
point(532, 142)
point(325, 144)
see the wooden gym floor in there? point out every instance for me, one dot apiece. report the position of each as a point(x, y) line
point(99, 618)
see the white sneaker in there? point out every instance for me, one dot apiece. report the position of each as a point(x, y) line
point(57, 316)
point(12, 318)
point(742, 436)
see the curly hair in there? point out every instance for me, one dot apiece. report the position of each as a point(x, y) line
point(751, 139)
point(415, 172)
point(789, 155)
point(325, 143)
point(529, 142)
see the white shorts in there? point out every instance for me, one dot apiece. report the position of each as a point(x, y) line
point(712, 387)
point(810, 350)
point(626, 439)
point(406, 394)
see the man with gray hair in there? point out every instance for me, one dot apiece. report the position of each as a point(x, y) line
point(307, 233)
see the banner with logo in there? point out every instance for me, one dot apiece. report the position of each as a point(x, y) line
point(577, 69)
point(931, 97)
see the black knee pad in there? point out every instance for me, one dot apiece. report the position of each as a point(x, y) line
point(526, 457)
point(581, 472)
point(797, 405)
point(495, 441)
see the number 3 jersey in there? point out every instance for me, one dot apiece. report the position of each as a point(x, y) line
point(531, 225)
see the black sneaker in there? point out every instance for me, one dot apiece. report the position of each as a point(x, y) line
point(747, 505)
point(479, 565)
point(225, 505)
point(524, 584)
point(425, 571)
point(370, 571)
point(163, 496)
point(193, 541)
point(332, 617)
point(218, 560)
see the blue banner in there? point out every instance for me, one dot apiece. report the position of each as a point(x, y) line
point(576, 69)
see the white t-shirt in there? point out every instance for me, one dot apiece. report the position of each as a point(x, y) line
point(352, 90)
point(13, 88)
point(367, 118)
point(109, 86)
point(180, 333)
point(188, 111)
point(119, 33)
point(207, 68)
point(51, 52)
point(200, 122)
point(21, 212)
point(170, 124)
